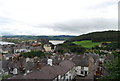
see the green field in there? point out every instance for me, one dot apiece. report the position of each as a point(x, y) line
point(87, 43)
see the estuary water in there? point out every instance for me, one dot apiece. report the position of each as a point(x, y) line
point(55, 42)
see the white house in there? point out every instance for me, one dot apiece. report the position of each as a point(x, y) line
point(66, 71)
point(21, 50)
point(47, 48)
point(8, 56)
point(1, 57)
point(50, 62)
point(4, 51)
point(0, 50)
point(82, 70)
point(83, 64)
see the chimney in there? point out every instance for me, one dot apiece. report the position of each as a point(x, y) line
point(15, 71)
point(27, 59)
point(50, 62)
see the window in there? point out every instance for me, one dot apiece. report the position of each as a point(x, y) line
point(67, 79)
point(82, 72)
point(82, 68)
point(64, 77)
point(70, 77)
point(57, 79)
point(85, 73)
point(66, 74)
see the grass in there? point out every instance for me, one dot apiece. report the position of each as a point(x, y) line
point(87, 43)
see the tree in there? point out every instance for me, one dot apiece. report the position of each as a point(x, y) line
point(70, 47)
point(114, 68)
point(112, 46)
point(33, 54)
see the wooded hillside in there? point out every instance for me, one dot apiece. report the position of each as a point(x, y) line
point(111, 36)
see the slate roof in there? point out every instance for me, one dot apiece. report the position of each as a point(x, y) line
point(1, 56)
point(13, 64)
point(29, 65)
point(59, 70)
point(46, 72)
point(109, 57)
point(81, 60)
point(67, 65)
point(8, 55)
point(0, 65)
point(49, 72)
point(16, 64)
point(5, 64)
point(84, 63)
point(95, 56)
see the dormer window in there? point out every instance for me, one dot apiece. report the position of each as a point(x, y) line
point(82, 68)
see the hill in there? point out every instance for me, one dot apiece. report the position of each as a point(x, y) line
point(27, 37)
point(104, 36)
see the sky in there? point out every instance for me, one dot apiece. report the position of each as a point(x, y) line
point(57, 17)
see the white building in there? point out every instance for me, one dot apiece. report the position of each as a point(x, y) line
point(47, 48)
point(21, 50)
point(50, 62)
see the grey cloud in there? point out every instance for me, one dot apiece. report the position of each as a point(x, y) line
point(103, 5)
point(7, 33)
point(119, 15)
point(4, 20)
point(82, 26)
point(75, 27)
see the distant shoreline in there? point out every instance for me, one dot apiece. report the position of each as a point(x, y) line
point(5, 43)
